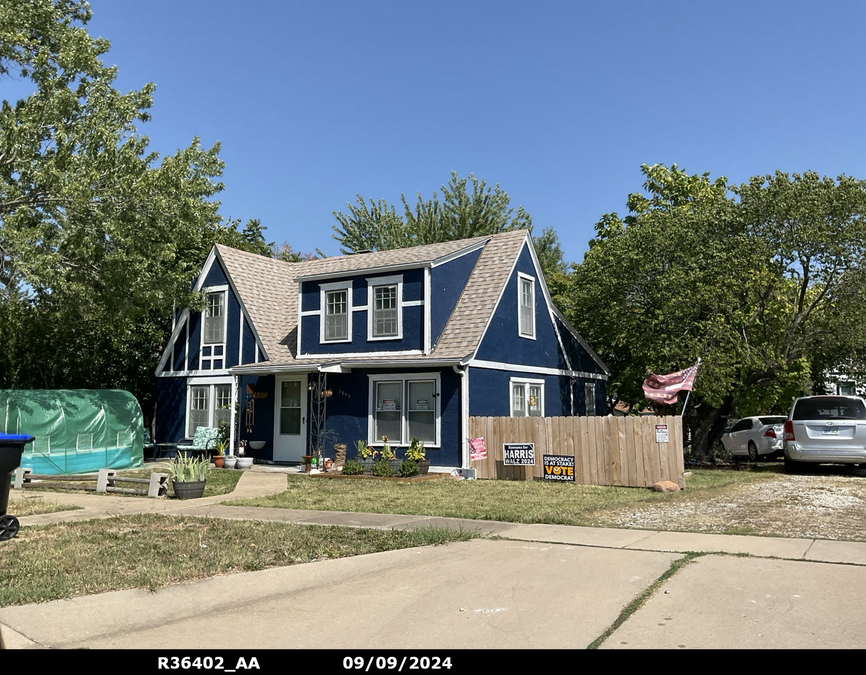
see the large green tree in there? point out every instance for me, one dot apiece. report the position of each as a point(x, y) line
point(761, 281)
point(99, 238)
point(462, 213)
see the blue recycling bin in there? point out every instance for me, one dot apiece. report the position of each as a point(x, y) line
point(11, 447)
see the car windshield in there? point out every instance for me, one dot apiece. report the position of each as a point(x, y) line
point(772, 420)
point(829, 408)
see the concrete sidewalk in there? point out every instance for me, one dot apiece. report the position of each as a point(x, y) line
point(538, 586)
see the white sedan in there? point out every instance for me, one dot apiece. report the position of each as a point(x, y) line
point(755, 437)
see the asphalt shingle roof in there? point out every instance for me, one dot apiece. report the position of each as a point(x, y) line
point(268, 289)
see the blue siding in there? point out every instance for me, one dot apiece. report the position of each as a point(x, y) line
point(413, 317)
point(579, 357)
point(502, 342)
point(216, 276)
point(171, 408)
point(194, 340)
point(446, 284)
point(249, 355)
point(233, 331)
point(177, 351)
point(490, 393)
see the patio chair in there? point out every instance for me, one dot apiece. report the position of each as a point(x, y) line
point(203, 440)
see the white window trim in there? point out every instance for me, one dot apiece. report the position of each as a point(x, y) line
point(213, 290)
point(525, 382)
point(372, 283)
point(528, 335)
point(404, 420)
point(211, 383)
point(324, 289)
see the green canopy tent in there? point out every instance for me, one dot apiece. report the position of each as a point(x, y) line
point(76, 430)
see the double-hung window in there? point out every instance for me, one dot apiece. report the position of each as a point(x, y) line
point(404, 407)
point(527, 398)
point(213, 336)
point(384, 303)
point(207, 404)
point(336, 325)
point(526, 305)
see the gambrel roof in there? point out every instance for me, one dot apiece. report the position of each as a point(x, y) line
point(268, 290)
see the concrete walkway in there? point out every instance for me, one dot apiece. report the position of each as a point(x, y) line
point(535, 586)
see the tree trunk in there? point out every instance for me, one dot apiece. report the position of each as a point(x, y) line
point(707, 431)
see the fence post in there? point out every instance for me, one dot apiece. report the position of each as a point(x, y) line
point(158, 486)
point(105, 479)
point(22, 475)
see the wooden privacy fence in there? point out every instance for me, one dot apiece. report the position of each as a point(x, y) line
point(628, 451)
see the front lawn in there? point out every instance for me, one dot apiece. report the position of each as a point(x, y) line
point(65, 560)
point(510, 501)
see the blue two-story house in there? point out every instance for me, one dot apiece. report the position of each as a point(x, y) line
point(403, 343)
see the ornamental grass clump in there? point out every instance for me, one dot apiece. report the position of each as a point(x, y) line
point(186, 469)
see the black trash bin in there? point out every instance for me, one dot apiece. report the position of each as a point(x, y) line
point(11, 447)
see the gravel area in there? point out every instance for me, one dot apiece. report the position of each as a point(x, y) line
point(825, 506)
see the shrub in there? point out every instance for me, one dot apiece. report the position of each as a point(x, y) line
point(353, 468)
point(409, 467)
point(382, 468)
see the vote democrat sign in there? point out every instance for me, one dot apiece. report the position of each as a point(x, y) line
point(518, 454)
point(558, 467)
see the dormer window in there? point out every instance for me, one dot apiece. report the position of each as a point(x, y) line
point(385, 302)
point(526, 306)
point(336, 302)
point(213, 329)
point(214, 318)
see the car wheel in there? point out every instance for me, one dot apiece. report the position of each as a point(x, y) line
point(753, 452)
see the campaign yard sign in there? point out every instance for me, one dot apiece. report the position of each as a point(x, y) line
point(558, 467)
point(518, 454)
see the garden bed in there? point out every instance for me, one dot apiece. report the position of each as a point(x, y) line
point(394, 479)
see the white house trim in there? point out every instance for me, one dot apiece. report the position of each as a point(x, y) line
point(540, 370)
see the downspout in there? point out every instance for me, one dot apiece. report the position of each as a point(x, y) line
point(463, 372)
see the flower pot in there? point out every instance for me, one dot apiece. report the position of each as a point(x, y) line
point(367, 462)
point(230, 461)
point(423, 466)
point(308, 459)
point(339, 454)
point(244, 462)
point(218, 461)
point(395, 465)
point(328, 464)
point(192, 489)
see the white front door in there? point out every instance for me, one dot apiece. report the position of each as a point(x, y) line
point(290, 418)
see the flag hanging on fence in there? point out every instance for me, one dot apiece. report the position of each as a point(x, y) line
point(664, 388)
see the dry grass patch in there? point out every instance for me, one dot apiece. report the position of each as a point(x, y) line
point(21, 504)
point(150, 551)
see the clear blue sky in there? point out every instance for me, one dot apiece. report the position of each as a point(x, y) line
point(557, 102)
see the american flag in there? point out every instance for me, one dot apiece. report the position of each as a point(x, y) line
point(664, 388)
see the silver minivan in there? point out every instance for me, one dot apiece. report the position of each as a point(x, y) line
point(825, 429)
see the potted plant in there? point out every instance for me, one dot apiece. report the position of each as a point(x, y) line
point(388, 455)
point(231, 461)
point(219, 453)
point(417, 454)
point(365, 454)
point(245, 461)
point(188, 476)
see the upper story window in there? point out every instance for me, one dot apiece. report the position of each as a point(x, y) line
point(527, 398)
point(385, 305)
point(336, 302)
point(215, 318)
point(526, 305)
